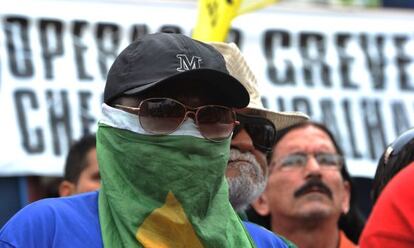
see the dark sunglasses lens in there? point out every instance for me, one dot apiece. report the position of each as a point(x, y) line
point(160, 115)
point(215, 122)
point(261, 131)
point(262, 134)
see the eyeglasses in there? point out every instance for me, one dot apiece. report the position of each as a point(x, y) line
point(165, 115)
point(299, 161)
point(261, 131)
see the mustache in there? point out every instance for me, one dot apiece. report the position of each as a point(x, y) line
point(246, 161)
point(235, 155)
point(310, 185)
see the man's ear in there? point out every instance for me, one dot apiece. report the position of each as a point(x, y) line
point(66, 188)
point(261, 205)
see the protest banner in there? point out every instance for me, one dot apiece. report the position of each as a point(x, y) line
point(352, 71)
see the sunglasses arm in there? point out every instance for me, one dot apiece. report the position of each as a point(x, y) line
point(132, 110)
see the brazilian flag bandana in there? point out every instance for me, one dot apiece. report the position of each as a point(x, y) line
point(163, 191)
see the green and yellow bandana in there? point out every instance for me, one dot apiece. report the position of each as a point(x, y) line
point(163, 191)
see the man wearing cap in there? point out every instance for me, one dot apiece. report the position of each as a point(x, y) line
point(253, 138)
point(162, 146)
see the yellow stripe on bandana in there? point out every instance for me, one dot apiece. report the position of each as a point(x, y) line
point(168, 226)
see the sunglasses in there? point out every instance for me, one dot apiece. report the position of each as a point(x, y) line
point(261, 131)
point(299, 160)
point(165, 115)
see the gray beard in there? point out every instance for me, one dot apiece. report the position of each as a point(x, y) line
point(248, 186)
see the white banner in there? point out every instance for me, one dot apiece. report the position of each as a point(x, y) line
point(352, 71)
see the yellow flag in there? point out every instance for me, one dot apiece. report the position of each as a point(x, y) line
point(252, 5)
point(215, 16)
point(214, 19)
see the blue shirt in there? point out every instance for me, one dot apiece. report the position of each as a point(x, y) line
point(74, 222)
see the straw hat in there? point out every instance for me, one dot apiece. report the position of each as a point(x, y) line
point(238, 68)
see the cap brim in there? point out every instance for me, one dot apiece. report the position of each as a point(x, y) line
point(223, 87)
point(282, 120)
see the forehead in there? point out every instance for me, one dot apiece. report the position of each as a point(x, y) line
point(308, 138)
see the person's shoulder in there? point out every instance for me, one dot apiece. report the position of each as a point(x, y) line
point(36, 210)
point(49, 208)
point(40, 219)
point(397, 193)
point(265, 238)
point(61, 205)
point(392, 209)
point(80, 200)
point(36, 219)
point(402, 178)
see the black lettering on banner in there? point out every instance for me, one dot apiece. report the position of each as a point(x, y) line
point(33, 139)
point(272, 39)
point(329, 118)
point(350, 128)
point(80, 48)
point(86, 118)
point(375, 64)
point(138, 31)
point(51, 42)
point(302, 104)
point(59, 120)
point(108, 40)
point(281, 104)
point(18, 46)
point(171, 29)
point(403, 60)
point(264, 102)
point(400, 117)
point(345, 60)
point(374, 127)
point(235, 36)
point(308, 41)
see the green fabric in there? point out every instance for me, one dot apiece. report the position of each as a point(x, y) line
point(242, 215)
point(140, 172)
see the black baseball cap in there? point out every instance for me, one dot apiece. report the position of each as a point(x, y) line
point(159, 58)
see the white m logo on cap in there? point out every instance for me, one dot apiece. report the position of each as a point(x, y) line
point(186, 64)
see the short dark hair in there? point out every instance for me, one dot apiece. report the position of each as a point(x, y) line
point(76, 160)
point(351, 223)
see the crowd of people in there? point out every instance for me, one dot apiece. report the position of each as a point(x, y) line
point(186, 156)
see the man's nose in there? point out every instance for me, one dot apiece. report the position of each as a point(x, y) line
point(242, 141)
point(312, 166)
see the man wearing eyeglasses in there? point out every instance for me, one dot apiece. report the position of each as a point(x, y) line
point(308, 189)
point(162, 146)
